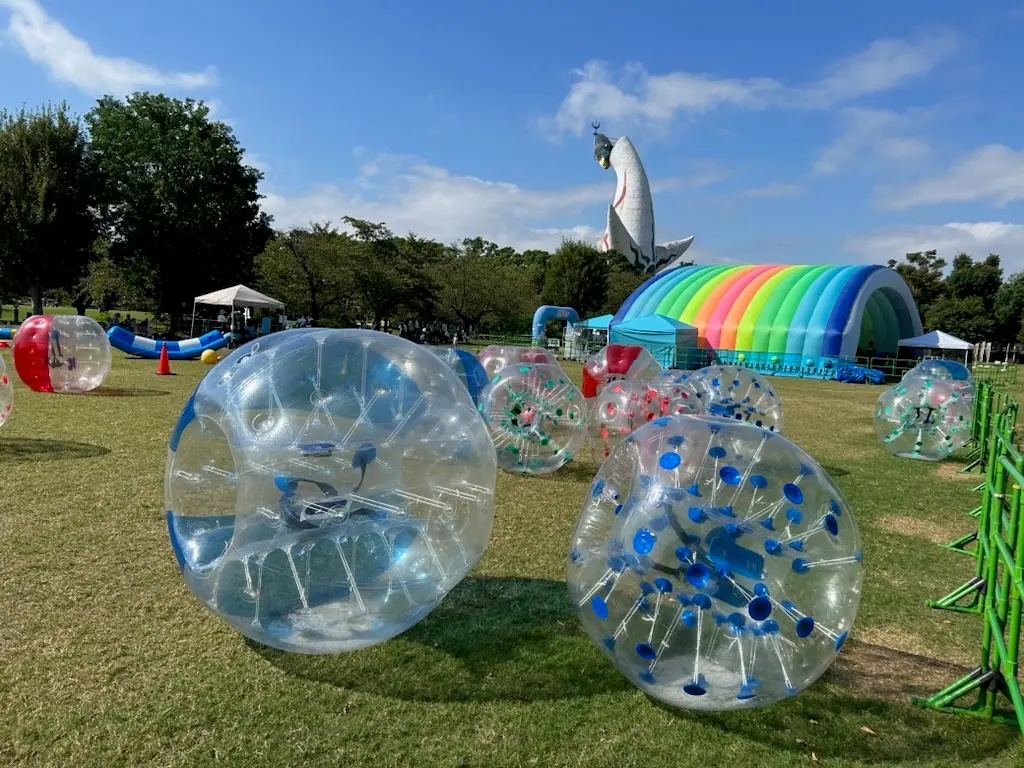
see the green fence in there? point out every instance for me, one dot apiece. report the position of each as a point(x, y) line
point(995, 594)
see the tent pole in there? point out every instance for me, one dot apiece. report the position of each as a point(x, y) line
point(192, 330)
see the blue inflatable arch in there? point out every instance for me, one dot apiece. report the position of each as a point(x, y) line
point(547, 312)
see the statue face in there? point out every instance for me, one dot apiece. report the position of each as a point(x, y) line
point(602, 150)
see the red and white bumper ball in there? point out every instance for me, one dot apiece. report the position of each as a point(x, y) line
point(61, 353)
point(618, 361)
point(6, 393)
point(495, 357)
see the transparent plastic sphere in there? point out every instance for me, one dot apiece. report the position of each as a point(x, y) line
point(940, 369)
point(924, 418)
point(61, 353)
point(536, 416)
point(466, 366)
point(622, 406)
point(495, 357)
point(327, 488)
point(733, 392)
point(715, 563)
point(616, 362)
point(6, 392)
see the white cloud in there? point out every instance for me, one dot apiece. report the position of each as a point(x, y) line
point(71, 60)
point(976, 238)
point(882, 66)
point(410, 195)
point(637, 98)
point(870, 133)
point(993, 172)
point(775, 189)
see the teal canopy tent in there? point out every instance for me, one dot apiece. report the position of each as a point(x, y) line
point(662, 336)
point(601, 322)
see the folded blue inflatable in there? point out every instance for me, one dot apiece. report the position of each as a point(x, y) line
point(858, 374)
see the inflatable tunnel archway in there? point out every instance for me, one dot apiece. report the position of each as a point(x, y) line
point(808, 314)
point(547, 312)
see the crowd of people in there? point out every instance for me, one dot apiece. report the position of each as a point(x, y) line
point(431, 333)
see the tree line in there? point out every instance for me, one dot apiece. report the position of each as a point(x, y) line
point(972, 301)
point(144, 202)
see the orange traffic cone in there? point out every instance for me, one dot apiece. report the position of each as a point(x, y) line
point(163, 368)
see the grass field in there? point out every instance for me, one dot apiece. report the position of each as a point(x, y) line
point(107, 660)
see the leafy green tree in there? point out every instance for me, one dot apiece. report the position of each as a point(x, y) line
point(1008, 310)
point(181, 205)
point(577, 277)
point(981, 280)
point(966, 318)
point(47, 226)
point(386, 277)
point(923, 275)
point(310, 271)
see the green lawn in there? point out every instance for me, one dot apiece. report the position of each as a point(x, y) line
point(107, 660)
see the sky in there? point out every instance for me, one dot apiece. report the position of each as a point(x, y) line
point(790, 131)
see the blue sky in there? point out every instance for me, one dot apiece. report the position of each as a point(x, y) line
point(789, 131)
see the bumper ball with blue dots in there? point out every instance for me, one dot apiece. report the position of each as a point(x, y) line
point(735, 392)
point(536, 416)
point(924, 418)
point(715, 563)
point(327, 488)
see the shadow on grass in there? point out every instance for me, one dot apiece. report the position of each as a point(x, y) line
point(869, 686)
point(127, 392)
point(835, 471)
point(490, 639)
point(16, 449)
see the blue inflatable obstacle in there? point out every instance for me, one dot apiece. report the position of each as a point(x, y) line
point(858, 374)
point(142, 346)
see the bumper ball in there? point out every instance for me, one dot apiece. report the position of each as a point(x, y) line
point(715, 564)
point(732, 392)
point(536, 416)
point(623, 406)
point(924, 418)
point(466, 366)
point(495, 357)
point(327, 488)
point(615, 362)
point(6, 393)
point(61, 353)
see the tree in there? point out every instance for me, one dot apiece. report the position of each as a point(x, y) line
point(577, 277)
point(965, 318)
point(980, 280)
point(385, 276)
point(310, 270)
point(923, 275)
point(477, 280)
point(1008, 310)
point(175, 196)
point(47, 226)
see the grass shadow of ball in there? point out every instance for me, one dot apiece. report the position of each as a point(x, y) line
point(127, 392)
point(867, 687)
point(490, 639)
point(21, 449)
point(578, 471)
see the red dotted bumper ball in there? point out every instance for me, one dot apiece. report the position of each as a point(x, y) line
point(618, 361)
point(6, 393)
point(61, 353)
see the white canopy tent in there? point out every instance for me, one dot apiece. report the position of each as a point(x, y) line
point(938, 340)
point(235, 296)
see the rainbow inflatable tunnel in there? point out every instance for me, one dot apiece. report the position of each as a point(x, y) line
point(802, 316)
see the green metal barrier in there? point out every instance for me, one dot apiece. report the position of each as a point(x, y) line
point(997, 588)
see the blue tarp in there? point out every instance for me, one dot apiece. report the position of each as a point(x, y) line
point(662, 336)
point(858, 374)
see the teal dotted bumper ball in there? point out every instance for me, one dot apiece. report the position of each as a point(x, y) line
point(715, 564)
point(536, 416)
point(924, 418)
point(327, 488)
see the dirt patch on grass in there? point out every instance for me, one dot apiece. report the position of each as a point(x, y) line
point(951, 471)
point(878, 671)
point(929, 530)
